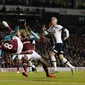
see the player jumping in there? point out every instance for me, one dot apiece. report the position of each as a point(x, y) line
point(57, 30)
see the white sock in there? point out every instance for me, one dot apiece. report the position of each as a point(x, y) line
point(30, 69)
point(30, 66)
point(68, 63)
point(14, 56)
point(53, 59)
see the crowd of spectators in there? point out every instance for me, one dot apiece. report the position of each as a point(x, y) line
point(74, 46)
point(74, 51)
point(47, 3)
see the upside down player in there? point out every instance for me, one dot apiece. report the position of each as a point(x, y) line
point(57, 30)
point(12, 43)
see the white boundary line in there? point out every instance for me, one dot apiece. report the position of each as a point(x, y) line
point(16, 81)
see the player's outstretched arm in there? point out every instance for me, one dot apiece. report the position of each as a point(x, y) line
point(67, 34)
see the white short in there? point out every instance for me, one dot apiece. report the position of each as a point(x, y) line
point(34, 56)
point(20, 44)
point(18, 56)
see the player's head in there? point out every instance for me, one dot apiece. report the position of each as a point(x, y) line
point(24, 34)
point(54, 20)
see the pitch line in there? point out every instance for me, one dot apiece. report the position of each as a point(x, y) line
point(16, 81)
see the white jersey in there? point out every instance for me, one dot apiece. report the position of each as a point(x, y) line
point(57, 32)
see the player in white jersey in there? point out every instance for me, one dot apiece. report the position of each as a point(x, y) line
point(56, 30)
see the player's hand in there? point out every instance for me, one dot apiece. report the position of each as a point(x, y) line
point(65, 38)
point(25, 23)
point(44, 28)
point(51, 53)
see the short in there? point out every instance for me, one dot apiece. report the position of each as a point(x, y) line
point(34, 55)
point(20, 56)
point(20, 47)
point(20, 44)
point(58, 48)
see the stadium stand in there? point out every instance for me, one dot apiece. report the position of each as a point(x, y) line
point(70, 14)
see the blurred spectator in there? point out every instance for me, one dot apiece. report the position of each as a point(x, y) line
point(3, 9)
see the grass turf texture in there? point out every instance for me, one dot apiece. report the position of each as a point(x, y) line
point(62, 78)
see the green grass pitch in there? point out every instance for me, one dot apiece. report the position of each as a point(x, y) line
point(62, 78)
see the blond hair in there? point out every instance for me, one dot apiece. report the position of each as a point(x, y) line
point(54, 18)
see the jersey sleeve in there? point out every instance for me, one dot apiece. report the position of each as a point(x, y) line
point(35, 35)
point(67, 32)
point(60, 27)
point(51, 30)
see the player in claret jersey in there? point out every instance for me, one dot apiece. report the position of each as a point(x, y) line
point(29, 48)
point(13, 45)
